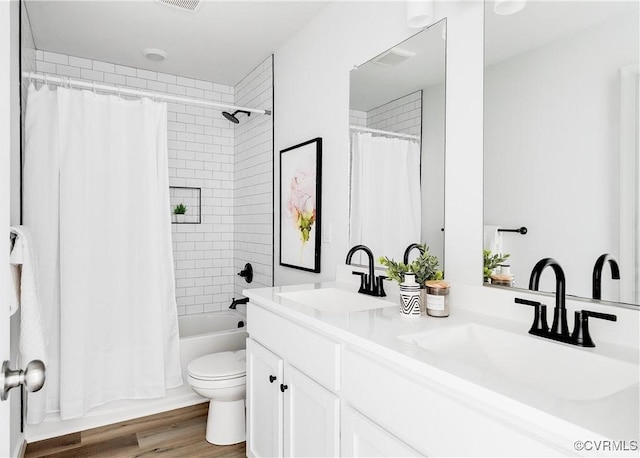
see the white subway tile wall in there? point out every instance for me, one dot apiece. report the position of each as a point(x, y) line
point(403, 115)
point(253, 199)
point(357, 118)
point(201, 154)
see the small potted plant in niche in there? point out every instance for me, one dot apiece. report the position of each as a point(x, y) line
point(491, 262)
point(425, 268)
point(179, 211)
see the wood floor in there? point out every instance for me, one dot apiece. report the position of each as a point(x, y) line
point(178, 433)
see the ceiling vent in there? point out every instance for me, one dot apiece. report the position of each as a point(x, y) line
point(185, 5)
point(393, 57)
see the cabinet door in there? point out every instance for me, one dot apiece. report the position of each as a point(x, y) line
point(363, 438)
point(312, 417)
point(264, 402)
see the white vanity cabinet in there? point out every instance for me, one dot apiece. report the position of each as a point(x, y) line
point(289, 413)
point(311, 417)
point(265, 373)
point(363, 438)
point(335, 395)
point(432, 418)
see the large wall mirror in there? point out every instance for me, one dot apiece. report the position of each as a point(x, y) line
point(561, 132)
point(397, 125)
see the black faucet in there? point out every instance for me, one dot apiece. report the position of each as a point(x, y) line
point(235, 302)
point(559, 329)
point(596, 286)
point(409, 249)
point(559, 326)
point(580, 335)
point(369, 284)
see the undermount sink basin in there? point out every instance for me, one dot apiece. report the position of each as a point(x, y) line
point(333, 300)
point(569, 373)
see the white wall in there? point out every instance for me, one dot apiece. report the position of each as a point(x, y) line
point(6, 117)
point(312, 99)
point(552, 152)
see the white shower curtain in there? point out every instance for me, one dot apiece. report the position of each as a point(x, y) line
point(97, 193)
point(385, 194)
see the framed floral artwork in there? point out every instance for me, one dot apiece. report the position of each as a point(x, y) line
point(300, 195)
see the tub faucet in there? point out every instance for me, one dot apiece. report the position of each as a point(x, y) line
point(369, 283)
point(559, 326)
point(411, 247)
point(235, 302)
point(596, 285)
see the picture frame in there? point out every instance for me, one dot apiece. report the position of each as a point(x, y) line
point(300, 205)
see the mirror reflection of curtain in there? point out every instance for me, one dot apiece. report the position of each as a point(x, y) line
point(385, 194)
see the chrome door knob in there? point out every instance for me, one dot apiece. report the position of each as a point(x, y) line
point(32, 378)
point(34, 375)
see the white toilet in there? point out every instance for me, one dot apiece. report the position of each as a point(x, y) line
point(222, 377)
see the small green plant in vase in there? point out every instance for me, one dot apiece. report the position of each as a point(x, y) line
point(425, 267)
point(491, 262)
point(179, 211)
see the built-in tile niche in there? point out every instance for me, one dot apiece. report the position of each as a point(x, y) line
point(191, 199)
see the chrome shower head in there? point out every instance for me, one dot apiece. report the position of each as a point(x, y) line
point(232, 117)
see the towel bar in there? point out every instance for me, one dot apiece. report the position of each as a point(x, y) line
point(522, 230)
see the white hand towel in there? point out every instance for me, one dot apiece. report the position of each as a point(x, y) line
point(492, 239)
point(31, 344)
point(15, 263)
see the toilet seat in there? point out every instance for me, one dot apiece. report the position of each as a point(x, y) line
point(219, 366)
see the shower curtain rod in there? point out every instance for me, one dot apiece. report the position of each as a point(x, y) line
point(136, 92)
point(385, 132)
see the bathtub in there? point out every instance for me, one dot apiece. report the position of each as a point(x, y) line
point(200, 335)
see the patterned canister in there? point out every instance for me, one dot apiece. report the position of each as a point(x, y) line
point(409, 296)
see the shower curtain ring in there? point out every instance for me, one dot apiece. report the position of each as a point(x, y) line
point(94, 87)
point(46, 79)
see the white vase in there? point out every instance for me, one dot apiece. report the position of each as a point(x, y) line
point(409, 296)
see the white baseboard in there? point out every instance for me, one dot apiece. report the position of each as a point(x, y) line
point(21, 447)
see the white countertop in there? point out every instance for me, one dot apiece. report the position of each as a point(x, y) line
point(615, 417)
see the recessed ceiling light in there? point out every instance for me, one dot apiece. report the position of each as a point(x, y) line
point(187, 5)
point(507, 7)
point(156, 55)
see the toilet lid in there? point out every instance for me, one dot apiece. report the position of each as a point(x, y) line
point(223, 365)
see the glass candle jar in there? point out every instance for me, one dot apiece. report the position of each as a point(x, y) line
point(437, 298)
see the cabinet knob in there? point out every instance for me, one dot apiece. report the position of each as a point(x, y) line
point(272, 378)
point(283, 387)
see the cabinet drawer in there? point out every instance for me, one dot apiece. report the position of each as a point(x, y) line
point(425, 416)
point(315, 355)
